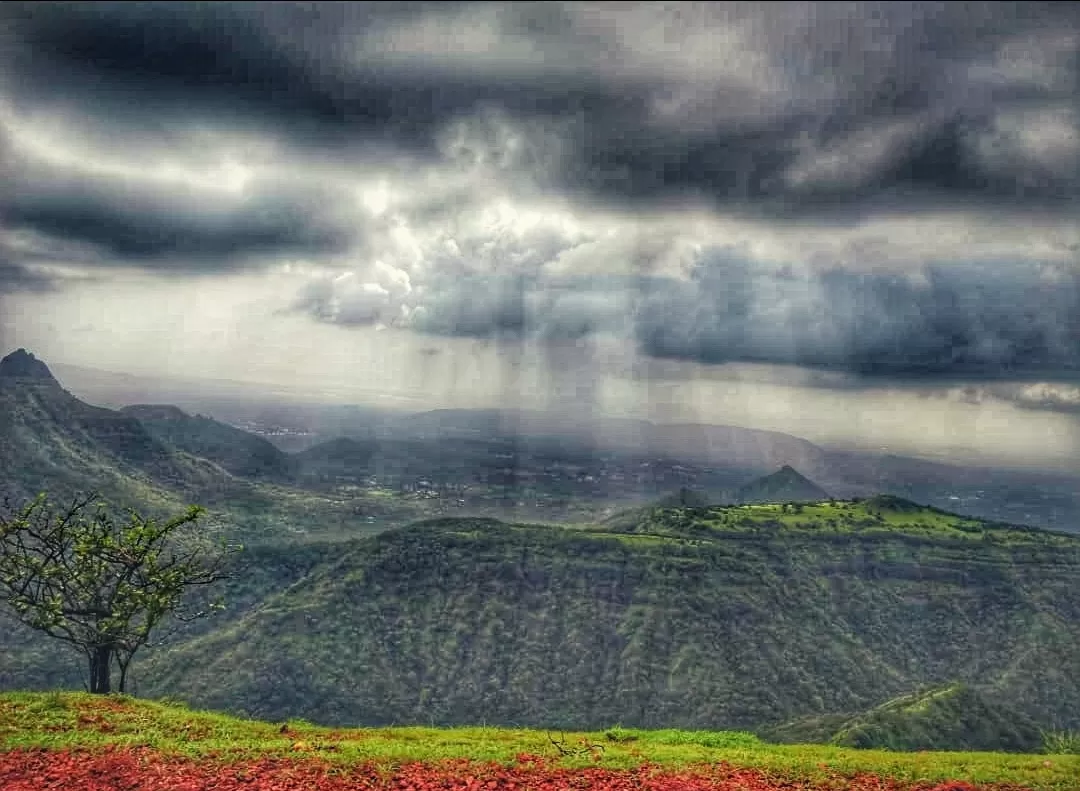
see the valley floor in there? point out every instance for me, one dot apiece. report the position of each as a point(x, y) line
point(68, 740)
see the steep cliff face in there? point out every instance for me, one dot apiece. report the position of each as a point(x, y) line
point(51, 440)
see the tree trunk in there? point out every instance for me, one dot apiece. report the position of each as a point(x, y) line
point(123, 664)
point(100, 659)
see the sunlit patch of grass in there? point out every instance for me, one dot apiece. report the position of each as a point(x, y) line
point(77, 720)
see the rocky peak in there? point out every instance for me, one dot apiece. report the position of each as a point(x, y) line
point(21, 364)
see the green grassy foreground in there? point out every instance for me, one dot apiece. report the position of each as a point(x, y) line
point(76, 720)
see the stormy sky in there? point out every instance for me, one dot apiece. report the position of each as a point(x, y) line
point(857, 222)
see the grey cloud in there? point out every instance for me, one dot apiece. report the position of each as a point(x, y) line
point(21, 269)
point(328, 75)
point(997, 319)
point(17, 278)
point(477, 305)
point(822, 112)
point(157, 222)
point(955, 319)
point(376, 297)
point(149, 65)
point(1054, 397)
point(551, 310)
point(284, 68)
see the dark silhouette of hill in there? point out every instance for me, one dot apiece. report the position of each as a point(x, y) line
point(237, 451)
point(344, 457)
point(51, 440)
point(786, 485)
point(20, 364)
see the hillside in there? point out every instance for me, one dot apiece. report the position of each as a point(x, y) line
point(954, 717)
point(696, 618)
point(51, 440)
point(158, 460)
point(28, 660)
point(786, 485)
point(239, 452)
point(683, 498)
point(343, 457)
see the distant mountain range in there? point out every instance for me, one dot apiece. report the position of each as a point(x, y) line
point(729, 447)
point(515, 450)
point(786, 485)
point(159, 459)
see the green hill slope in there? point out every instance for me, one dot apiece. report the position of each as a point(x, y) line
point(695, 618)
point(28, 660)
point(954, 717)
point(157, 459)
point(51, 440)
point(237, 451)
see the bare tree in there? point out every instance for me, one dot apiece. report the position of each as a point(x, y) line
point(102, 585)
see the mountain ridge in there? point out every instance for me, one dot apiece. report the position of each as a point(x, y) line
point(49, 439)
point(727, 617)
point(237, 451)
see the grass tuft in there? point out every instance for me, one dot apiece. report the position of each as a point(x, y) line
point(1057, 742)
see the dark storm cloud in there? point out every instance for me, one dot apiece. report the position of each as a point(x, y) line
point(282, 68)
point(915, 72)
point(810, 111)
point(329, 75)
point(961, 320)
point(154, 222)
point(145, 66)
point(1016, 320)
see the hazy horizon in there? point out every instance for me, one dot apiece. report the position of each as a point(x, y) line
point(115, 389)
